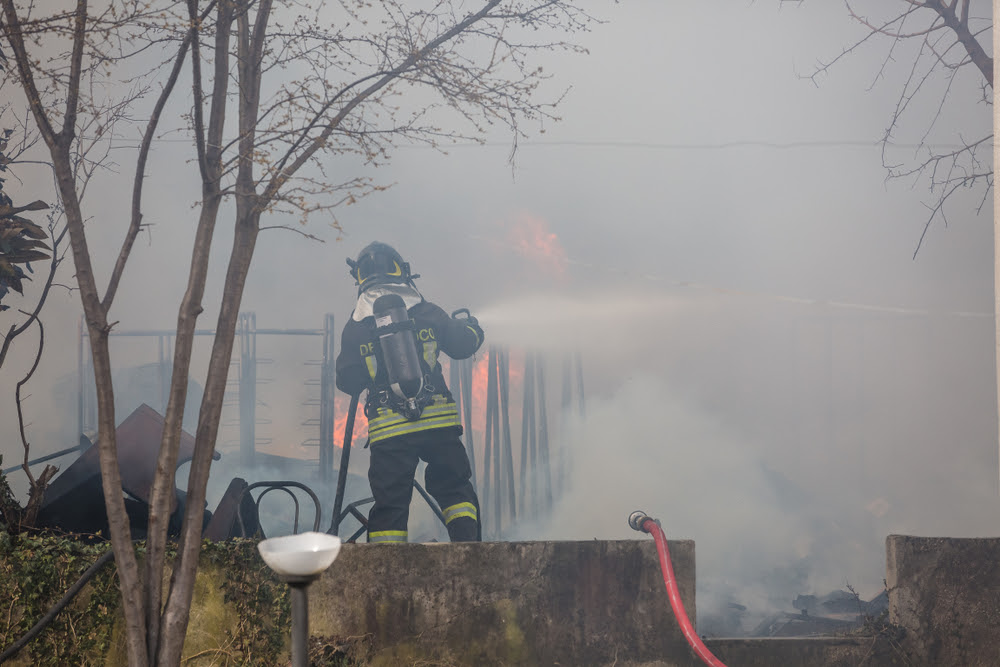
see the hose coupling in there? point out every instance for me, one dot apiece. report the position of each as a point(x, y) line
point(637, 521)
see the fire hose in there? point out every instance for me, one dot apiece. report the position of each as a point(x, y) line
point(644, 524)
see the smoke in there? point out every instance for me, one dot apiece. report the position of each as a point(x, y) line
point(759, 542)
point(603, 322)
point(782, 435)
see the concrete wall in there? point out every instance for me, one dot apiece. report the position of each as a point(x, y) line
point(507, 603)
point(593, 603)
point(945, 594)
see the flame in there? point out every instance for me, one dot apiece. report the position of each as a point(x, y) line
point(531, 237)
point(341, 403)
point(480, 379)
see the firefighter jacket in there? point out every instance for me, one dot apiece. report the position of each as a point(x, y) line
point(360, 367)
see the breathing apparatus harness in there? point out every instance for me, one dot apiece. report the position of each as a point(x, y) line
point(408, 390)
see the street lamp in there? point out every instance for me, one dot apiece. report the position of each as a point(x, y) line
point(298, 560)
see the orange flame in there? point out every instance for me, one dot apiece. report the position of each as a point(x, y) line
point(341, 403)
point(531, 236)
point(480, 380)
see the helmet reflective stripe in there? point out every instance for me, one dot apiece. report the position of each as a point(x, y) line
point(384, 536)
point(373, 270)
point(379, 263)
point(457, 511)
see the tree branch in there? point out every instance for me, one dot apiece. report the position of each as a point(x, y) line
point(140, 170)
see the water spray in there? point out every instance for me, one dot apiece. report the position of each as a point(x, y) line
point(641, 522)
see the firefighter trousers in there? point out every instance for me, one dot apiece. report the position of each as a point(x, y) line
point(448, 480)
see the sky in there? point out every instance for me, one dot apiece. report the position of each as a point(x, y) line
point(769, 370)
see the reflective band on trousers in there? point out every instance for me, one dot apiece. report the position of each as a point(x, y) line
point(388, 423)
point(387, 536)
point(457, 511)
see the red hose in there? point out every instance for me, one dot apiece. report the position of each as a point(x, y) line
point(648, 525)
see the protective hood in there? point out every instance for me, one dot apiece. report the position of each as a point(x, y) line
point(410, 295)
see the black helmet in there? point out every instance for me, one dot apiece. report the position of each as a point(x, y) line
point(379, 264)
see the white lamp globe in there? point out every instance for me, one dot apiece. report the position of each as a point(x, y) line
point(302, 555)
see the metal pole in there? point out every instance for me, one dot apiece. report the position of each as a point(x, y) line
point(159, 374)
point(504, 361)
point(430, 503)
point(465, 367)
point(79, 377)
point(543, 437)
point(488, 433)
point(300, 623)
point(566, 407)
point(327, 404)
point(87, 398)
point(48, 457)
point(248, 387)
point(579, 384)
point(533, 439)
point(526, 407)
point(497, 469)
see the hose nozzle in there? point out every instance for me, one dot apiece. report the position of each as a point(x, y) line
point(637, 519)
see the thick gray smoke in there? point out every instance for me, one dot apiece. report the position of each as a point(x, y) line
point(649, 448)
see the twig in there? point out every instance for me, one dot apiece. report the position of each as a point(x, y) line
point(17, 401)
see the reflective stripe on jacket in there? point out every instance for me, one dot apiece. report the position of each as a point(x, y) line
point(388, 423)
point(360, 368)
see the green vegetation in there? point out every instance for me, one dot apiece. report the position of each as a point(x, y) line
point(241, 611)
point(21, 240)
point(35, 572)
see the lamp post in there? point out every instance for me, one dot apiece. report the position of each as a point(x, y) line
point(299, 560)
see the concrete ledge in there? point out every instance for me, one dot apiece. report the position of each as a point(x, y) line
point(493, 603)
point(945, 594)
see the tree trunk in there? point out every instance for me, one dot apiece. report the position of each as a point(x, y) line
point(177, 611)
point(98, 331)
point(163, 637)
point(162, 495)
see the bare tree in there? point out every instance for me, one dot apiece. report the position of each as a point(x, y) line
point(938, 41)
point(310, 84)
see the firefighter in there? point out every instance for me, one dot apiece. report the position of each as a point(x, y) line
point(390, 347)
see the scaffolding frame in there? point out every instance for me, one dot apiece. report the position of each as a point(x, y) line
point(247, 382)
point(504, 496)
